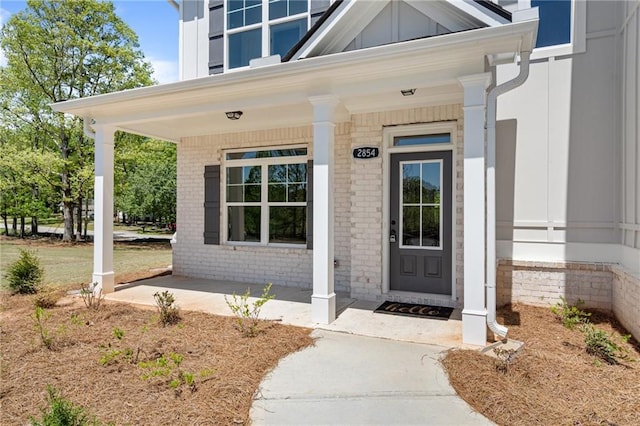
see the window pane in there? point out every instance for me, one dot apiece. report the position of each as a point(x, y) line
point(234, 175)
point(252, 193)
point(243, 47)
point(267, 154)
point(297, 193)
point(411, 226)
point(252, 174)
point(431, 183)
point(277, 193)
point(297, 173)
point(431, 226)
point(284, 36)
point(234, 193)
point(411, 183)
point(235, 19)
point(555, 22)
point(277, 9)
point(288, 225)
point(244, 223)
point(235, 4)
point(297, 6)
point(422, 140)
point(278, 173)
point(253, 15)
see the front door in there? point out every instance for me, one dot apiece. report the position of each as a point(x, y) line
point(420, 222)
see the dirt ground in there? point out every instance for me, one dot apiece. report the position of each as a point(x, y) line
point(553, 380)
point(89, 365)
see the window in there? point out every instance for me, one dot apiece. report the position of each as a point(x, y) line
point(555, 22)
point(432, 139)
point(266, 196)
point(260, 28)
point(421, 219)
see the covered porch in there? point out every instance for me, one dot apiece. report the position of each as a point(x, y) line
point(293, 306)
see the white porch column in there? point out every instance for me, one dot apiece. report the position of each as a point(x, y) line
point(474, 314)
point(323, 300)
point(103, 209)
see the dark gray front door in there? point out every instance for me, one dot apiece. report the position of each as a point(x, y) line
point(420, 222)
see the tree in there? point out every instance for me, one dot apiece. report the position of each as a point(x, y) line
point(60, 50)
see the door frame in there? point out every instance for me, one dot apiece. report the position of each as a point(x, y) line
point(388, 134)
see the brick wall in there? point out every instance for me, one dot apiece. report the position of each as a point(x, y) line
point(626, 299)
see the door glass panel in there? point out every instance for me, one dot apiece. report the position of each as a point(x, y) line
point(420, 202)
point(431, 226)
point(411, 226)
point(411, 183)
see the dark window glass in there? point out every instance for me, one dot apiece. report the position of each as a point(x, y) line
point(422, 140)
point(284, 36)
point(277, 9)
point(555, 22)
point(253, 15)
point(288, 183)
point(288, 225)
point(431, 226)
point(297, 6)
point(234, 5)
point(243, 12)
point(244, 223)
point(243, 47)
point(267, 154)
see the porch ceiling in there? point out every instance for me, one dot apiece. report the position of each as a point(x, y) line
point(277, 96)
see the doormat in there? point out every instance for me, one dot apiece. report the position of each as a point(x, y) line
point(414, 310)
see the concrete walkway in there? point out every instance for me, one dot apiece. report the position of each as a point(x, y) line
point(366, 368)
point(354, 380)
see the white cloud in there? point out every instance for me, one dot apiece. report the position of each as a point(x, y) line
point(4, 15)
point(164, 71)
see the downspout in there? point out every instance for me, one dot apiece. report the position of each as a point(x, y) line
point(492, 98)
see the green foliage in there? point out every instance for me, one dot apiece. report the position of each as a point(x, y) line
point(168, 369)
point(601, 345)
point(570, 315)
point(248, 314)
point(169, 313)
point(45, 299)
point(118, 333)
point(40, 316)
point(25, 275)
point(62, 412)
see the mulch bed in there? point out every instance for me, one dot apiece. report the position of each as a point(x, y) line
point(553, 380)
point(227, 367)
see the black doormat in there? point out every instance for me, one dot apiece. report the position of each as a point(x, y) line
point(414, 310)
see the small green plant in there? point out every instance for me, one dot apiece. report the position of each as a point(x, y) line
point(62, 412)
point(40, 316)
point(76, 319)
point(570, 315)
point(600, 344)
point(118, 333)
point(169, 313)
point(168, 368)
point(248, 314)
point(25, 275)
point(92, 295)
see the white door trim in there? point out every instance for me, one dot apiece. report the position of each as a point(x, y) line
point(388, 134)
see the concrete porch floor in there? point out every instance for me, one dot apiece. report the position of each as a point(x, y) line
point(293, 306)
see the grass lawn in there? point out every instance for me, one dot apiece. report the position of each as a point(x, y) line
point(73, 263)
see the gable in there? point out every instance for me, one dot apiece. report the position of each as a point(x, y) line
point(359, 24)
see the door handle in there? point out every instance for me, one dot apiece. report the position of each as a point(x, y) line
point(393, 236)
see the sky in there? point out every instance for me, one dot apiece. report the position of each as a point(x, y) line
point(155, 22)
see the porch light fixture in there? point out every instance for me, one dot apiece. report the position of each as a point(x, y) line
point(234, 115)
point(408, 92)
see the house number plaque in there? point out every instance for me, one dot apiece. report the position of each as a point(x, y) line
point(365, 152)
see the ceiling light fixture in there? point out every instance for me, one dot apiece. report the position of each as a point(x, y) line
point(408, 92)
point(234, 115)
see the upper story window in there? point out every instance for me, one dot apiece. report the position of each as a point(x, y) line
point(555, 22)
point(259, 28)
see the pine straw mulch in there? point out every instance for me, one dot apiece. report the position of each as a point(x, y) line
point(552, 381)
point(227, 367)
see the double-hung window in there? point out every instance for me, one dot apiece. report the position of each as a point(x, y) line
point(260, 28)
point(266, 196)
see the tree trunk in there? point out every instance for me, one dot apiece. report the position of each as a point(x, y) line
point(86, 216)
point(21, 226)
point(6, 225)
point(15, 226)
point(79, 220)
point(67, 214)
point(67, 203)
point(34, 225)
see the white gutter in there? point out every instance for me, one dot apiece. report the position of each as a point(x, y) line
point(492, 98)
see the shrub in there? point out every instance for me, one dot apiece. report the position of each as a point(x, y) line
point(569, 315)
point(46, 299)
point(169, 313)
point(248, 314)
point(25, 275)
point(91, 297)
point(40, 317)
point(62, 412)
point(600, 344)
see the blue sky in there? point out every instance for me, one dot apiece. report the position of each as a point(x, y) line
point(155, 22)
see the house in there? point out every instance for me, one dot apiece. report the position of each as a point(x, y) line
point(453, 152)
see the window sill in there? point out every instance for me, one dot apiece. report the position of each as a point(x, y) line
point(235, 244)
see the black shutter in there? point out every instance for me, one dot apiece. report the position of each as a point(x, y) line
point(310, 204)
point(212, 205)
point(216, 36)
